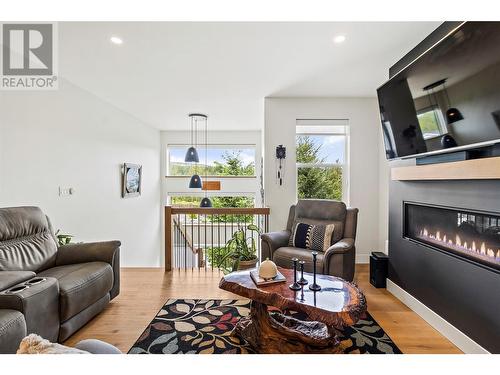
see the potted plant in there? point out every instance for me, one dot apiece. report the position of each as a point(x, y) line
point(63, 239)
point(241, 250)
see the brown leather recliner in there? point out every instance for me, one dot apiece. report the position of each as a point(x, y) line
point(339, 259)
point(46, 289)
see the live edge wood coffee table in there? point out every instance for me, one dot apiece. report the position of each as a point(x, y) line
point(338, 304)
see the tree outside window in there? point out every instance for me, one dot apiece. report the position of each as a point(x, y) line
point(221, 161)
point(320, 164)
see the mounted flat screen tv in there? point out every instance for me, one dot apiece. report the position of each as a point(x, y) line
point(448, 99)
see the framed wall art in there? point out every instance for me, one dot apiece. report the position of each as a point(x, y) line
point(131, 180)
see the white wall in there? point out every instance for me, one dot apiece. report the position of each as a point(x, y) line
point(71, 138)
point(364, 164)
point(228, 185)
point(384, 177)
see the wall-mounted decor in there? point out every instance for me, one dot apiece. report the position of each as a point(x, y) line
point(280, 167)
point(131, 180)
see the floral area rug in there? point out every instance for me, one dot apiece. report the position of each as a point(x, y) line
point(205, 326)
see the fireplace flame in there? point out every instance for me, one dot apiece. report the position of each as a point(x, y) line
point(459, 244)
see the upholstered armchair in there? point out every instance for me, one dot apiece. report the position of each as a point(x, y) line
point(338, 259)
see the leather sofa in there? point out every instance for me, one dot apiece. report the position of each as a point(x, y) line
point(339, 259)
point(46, 289)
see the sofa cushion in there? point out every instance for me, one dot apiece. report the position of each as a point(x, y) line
point(26, 240)
point(283, 258)
point(80, 285)
point(12, 330)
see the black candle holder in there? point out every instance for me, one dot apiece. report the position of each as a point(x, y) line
point(302, 280)
point(302, 296)
point(295, 285)
point(315, 287)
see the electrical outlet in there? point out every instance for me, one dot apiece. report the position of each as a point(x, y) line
point(65, 191)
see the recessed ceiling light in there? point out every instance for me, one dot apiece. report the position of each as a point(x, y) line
point(339, 39)
point(116, 40)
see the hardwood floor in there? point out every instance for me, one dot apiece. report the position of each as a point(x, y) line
point(144, 291)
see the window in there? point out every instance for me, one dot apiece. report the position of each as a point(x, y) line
point(218, 201)
point(222, 160)
point(431, 122)
point(321, 147)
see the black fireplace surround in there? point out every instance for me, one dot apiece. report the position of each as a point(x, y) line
point(468, 234)
point(459, 284)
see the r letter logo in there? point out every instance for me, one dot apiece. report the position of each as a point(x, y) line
point(28, 57)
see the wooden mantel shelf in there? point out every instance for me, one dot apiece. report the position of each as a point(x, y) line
point(476, 169)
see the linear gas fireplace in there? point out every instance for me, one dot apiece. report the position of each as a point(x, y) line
point(472, 235)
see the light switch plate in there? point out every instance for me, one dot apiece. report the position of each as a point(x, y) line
point(65, 191)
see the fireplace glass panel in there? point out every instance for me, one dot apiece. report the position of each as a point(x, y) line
point(469, 234)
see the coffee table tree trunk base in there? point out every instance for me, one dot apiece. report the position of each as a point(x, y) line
point(277, 333)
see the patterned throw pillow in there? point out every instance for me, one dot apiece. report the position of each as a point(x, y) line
point(314, 237)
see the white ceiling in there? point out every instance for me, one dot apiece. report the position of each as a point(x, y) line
point(165, 70)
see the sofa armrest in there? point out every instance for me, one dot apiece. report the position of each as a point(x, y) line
point(340, 247)
point(339, 259)
point(108, 252)
point(272, 241)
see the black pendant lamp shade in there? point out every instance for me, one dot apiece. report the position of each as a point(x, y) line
point(453, 115)
point(191, 155)
point(195, 182)
point(206, 202)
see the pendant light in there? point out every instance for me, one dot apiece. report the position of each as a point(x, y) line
point(206, 202)
point(452, 114)
point(192, 153)
point(195, 182)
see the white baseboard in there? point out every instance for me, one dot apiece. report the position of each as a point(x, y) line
point(457, 337)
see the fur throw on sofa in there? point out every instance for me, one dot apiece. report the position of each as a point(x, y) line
point(34, 344)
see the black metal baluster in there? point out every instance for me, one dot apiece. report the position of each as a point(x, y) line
point(204, 253)
point(181, 258)
point(176, 240)
point(218, 240)
point(225, 238)
point(212, 235)
point(199, 237)
point(258, 219)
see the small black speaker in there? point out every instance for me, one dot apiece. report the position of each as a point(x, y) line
point(379, 264)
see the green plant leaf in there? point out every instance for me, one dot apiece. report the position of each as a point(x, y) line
point(254, 228)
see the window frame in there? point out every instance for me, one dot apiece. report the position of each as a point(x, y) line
point(201, 151)
point(345, 133)
point(440, 121)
